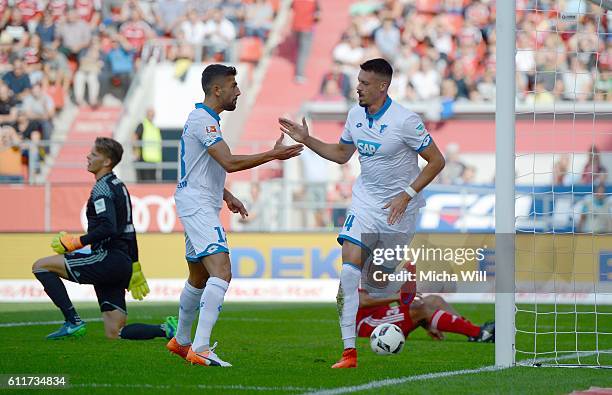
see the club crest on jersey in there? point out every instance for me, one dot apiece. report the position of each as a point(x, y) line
point(367, 148)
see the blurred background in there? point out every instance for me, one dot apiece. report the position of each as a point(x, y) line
point(76, 69)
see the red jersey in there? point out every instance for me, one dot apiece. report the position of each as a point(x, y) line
point(3, 6)
point(304, 12)
point(369, 318)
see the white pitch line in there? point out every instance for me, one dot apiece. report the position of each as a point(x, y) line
point(237, 387)
point(97, 319)
point(41, 323)
point(402, 380)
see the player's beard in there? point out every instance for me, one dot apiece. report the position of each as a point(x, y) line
point(231, 105)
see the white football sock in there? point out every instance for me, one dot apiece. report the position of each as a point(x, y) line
point(188, 307)
point(210, 306)
point(348, 303)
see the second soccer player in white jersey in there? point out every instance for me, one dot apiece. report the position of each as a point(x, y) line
point(205, 160)
point(386, 198)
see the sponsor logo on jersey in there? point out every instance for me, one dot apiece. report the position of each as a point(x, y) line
point(359, 125)
point(211, 129)
point(367, 148)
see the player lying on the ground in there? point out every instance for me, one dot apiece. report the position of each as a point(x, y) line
point(431, 312)
point(111, 266)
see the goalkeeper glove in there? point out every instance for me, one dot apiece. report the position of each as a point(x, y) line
point(138, 283)
point(64, 242)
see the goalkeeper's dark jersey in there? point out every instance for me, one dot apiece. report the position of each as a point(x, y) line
point(109, 218)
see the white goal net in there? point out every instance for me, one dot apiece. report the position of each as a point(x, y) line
point(563, 189)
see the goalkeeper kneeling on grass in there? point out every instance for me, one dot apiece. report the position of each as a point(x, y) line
point(112, 263)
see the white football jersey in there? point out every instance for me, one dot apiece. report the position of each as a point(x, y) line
point(201, 177)
point(388, 143)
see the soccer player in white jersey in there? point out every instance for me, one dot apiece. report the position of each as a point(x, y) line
point(386, 195)
point(205, 160)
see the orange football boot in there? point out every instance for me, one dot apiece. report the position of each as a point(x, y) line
point(348, 360)
point(175, 348)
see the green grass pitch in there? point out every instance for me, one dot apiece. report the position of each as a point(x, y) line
point(287, 348)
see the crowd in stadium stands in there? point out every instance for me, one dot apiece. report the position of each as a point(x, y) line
point(55, 51)
point(444, 50)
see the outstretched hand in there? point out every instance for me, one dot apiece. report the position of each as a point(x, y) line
point(397, 207)
point(283, 152)
point(294, 130)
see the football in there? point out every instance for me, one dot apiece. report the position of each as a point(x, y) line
point(387, 339)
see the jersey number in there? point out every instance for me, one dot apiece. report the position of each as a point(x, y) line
point(221, 234)
point(348, 224)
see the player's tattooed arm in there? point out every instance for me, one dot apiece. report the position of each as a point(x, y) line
point(339, 153)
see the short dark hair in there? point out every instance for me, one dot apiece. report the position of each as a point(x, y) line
point(213, 72)
point(378, 66)
point(109, 148)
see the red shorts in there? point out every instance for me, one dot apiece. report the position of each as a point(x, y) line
point(370, 317)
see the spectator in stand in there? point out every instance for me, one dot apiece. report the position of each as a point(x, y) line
point(120, 61)
point(55, 63)
point(10, 158)
point(486, 86)
point(8, 106)
point(594, 172)
point(387, 38)
point(336, 82)
point(596, 216)
point(169, 15)
point(561, 175)
point(453, 170)
point(17, 28)
point(5, 13)
point(88, 75)
point(75, 35)
point(136, 31)
point(30, 134)
point(17, 80)
point(193, 32)
point(220, 36)
point(258, 19)
point(305, 16)
point(578, 82)
point(350, 54)
point(39, 107)
point(89, 11)
point(32, 57)
point(426, 80)
point(458, 75)
point(47, 29)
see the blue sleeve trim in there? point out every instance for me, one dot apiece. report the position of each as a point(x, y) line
point(426, 143)
point(215, 141)
point(341, 239)
point(343, 141)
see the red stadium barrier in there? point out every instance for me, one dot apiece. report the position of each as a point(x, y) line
point(53, 208)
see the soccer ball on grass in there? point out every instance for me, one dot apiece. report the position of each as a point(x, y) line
point(387, 339)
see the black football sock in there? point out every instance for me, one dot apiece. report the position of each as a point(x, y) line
point(141, 332)
point(54, 287)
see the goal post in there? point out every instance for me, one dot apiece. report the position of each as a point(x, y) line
point(505, 26)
